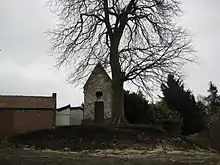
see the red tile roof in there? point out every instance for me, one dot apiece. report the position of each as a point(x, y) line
point(7, 101)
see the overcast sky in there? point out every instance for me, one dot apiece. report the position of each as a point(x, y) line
point(27, 69)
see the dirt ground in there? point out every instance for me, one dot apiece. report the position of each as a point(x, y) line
point(92, 145)
point(78, 138)
point(108, 157)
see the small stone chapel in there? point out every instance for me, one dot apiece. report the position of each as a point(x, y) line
point(97, 90)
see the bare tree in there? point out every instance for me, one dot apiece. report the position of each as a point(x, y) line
point(137, 40)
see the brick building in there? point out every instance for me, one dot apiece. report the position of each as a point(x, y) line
point(20, 114)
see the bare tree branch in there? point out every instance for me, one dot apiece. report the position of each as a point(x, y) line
point(137, 40)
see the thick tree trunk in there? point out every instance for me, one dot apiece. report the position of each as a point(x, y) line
point(118, 117)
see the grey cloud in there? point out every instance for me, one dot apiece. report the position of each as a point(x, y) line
point(38, 80)
point(202, 19)
point(25, 67)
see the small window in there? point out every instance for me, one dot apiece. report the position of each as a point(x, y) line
point(99, 94)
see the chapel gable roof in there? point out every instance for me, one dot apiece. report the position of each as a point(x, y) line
point(97, 70)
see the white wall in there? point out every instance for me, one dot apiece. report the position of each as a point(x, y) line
point(69, 117)
point(76, 117)
point(63, 117)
